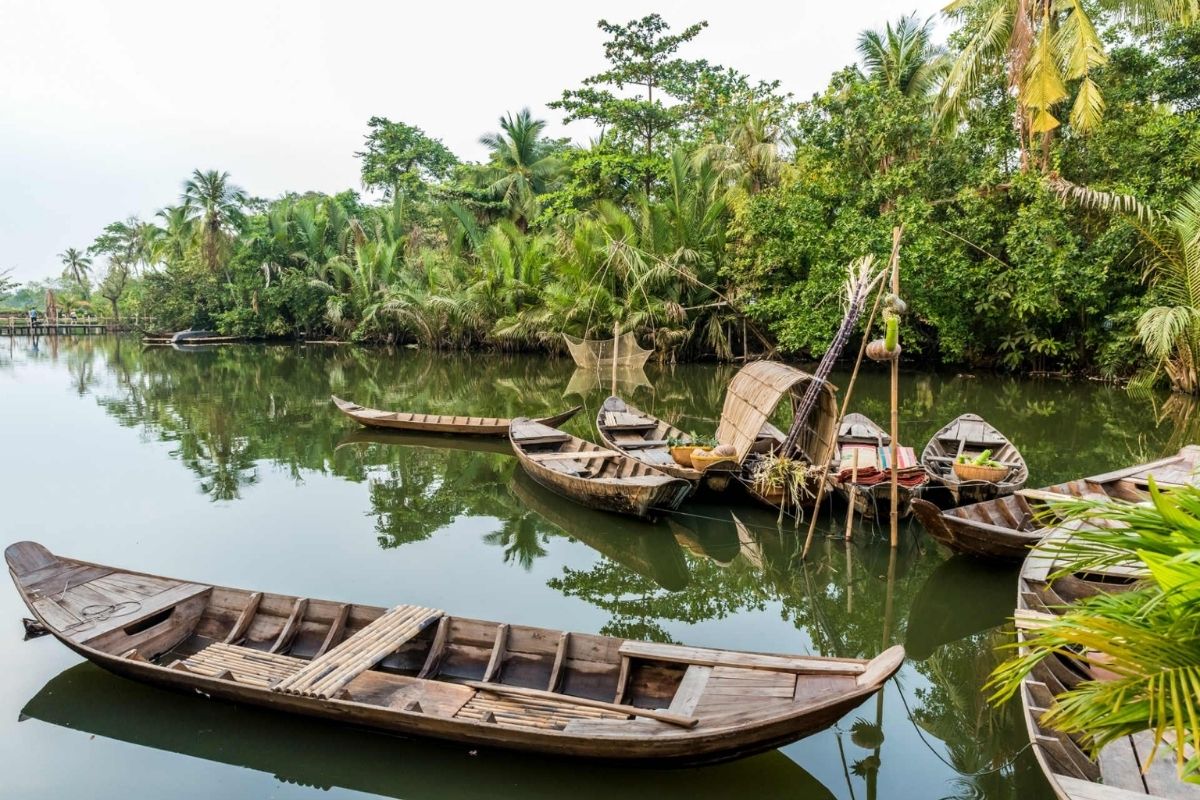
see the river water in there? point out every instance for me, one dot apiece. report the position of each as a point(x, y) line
point(229, 465)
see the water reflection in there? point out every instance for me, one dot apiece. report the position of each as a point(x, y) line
point(322, 755)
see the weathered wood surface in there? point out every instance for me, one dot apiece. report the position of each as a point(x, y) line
point(579, 470)
point(438, 423)
point(416, 671)
point(970, 435)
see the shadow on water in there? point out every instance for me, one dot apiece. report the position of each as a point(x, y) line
point(983, 595)
point(322, 755)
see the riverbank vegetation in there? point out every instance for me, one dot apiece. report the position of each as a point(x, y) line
point(714, 214)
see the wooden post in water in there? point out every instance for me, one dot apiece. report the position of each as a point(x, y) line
point(853, 495)
point(895, 518)
point(616, 349)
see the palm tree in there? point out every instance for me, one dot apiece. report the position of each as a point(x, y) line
point(1145, 637)
point(1041, 45)
point(903, 57)
point(176, 235)
point(76, 265)
point(1169, 331)
point(749, 157)
point(214, 204)
point(521, 166)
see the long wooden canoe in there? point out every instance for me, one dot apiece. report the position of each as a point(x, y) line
point(438, 423)
point(1005, 528)
point(646, 438)
point(1123, 770)
point(419, 671)
point(970, 435)
point(594, 476)
point(871, 494)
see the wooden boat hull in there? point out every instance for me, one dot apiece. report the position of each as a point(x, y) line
point(643, 500)
point(438, 423)
point(1006, 527)
point(162, 631)
point(632, 443)
point(973, 435)
point(971, 537)
point(875, 500)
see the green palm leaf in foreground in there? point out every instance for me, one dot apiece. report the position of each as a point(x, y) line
point(1148, 637)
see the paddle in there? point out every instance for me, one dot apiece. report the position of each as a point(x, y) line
point(520, 691)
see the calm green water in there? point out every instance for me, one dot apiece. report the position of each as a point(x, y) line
point(230, 465)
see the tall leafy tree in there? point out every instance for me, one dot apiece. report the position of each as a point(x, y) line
point(522, 165)
point(641, 56)
point(400, 159)
point(216, 207)
point(76, 265)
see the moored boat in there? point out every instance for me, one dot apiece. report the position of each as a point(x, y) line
point(438, 423)
point(419, 671)
point(594, 476)
point(648, 439)
point(967, 437)
point(1005, 528)
point(862, 474)
point(1129, 768)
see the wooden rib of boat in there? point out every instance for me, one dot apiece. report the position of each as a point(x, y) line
point(646, 438)
point(594, 476)
point(1123, 770)
point(873, 491)
point(438, 423)
point(1005, 528)
point(419, 671)
point(969, 435)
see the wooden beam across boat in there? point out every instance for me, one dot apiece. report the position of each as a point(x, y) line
point(413, 671)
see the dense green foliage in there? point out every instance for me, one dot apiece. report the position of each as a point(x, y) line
point(715, 216)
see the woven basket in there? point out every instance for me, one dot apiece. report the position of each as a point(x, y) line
point(977, 472)
point(683, 455)
point(703, 458)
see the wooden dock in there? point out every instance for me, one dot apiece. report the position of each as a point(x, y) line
point(21, 326)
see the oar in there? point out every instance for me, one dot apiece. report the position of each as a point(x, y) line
point(541, 694)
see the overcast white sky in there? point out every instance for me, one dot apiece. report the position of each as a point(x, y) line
point(106, 107)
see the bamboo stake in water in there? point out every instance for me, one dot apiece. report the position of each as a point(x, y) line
point(895, 520)
point(853, 495)
point(616, 347)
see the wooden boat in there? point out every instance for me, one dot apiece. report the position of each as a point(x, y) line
point(418, 671)
point(646, 438)
point(1005, 528)
point(753, 397)
point(592, 475)
point(871, 493)
point(438, 423)
point(1123, 770)
point(969, 435)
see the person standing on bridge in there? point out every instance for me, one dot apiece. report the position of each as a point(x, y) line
point(32, 317)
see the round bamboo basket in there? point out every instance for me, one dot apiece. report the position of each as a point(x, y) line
point(703, 458)
point(683, 455)
point(877, 351)
point(977, 472)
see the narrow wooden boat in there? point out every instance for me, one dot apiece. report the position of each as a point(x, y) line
point(1123, 770)
point(438, 423)
point(646, 438)
point(592, 475)
point(1005, 528)
point(418, 671)
point(969, 435)
point(868, 487)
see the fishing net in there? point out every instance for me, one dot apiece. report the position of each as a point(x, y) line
point(593, 353)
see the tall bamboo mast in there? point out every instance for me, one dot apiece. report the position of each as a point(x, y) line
point(895, 517)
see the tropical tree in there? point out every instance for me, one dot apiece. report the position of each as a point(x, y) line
point(130, 240)
point(215, 206)
point(7, 284)
point(1147, 638)
point(113, 284)
point(750, 156)
point(903, 56)
point(1041, 46)
point(522, 165)
point(400, 159)
point(76, 265)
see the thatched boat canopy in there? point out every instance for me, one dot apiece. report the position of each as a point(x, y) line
point(754, 394)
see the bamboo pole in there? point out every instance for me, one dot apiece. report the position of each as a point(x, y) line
point(821, 487)
point(616, 348)
point(519, 691)
point(895, 517)
point(853, 495)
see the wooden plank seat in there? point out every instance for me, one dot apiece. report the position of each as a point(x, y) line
point(327, 675)
point(589, 455)
point(704, 656)
point(524, 712)
point(243, 664)
point(637, 444)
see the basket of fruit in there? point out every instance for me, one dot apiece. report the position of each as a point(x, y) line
point(681, 450)
point(980, 468)
point(709, 452)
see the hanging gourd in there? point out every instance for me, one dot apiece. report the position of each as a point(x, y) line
point(888, 348)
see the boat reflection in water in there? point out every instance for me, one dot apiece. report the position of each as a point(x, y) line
point(325, 756)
